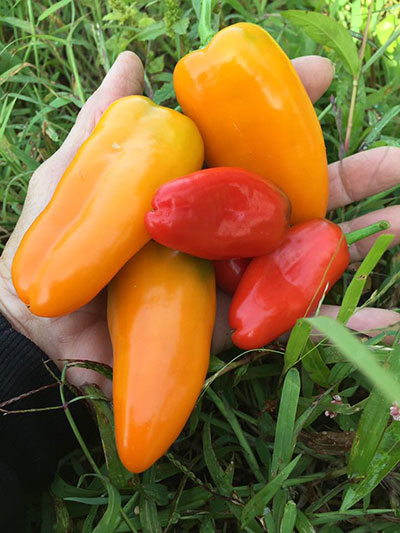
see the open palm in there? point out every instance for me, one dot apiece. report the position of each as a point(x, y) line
point(84, 334)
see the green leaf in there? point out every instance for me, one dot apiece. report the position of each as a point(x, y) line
point(358, 355)
point(303, 524)
point(284, 445)
point(326, 31)
point(156, 65)
point(50, 10)
point(63, 519)
point(101, 500)
point(381, 51)
point(240, 8)
point(180, 27)
point(315, 366)
point(378, 127)
point(355, 289)
point(166, 92)
point(151, 32)
point(157, 492)
point(255, 507)
point(148, 515)
point(289, 518)
point(296, 343)
point(117, 473)
point(233, 421)
point(386, 458)
point(372, 425)
point(17, 23)
point(88, 524)
point(62, 489)
point(147, 507)
point(217, 474)
point(111, 516)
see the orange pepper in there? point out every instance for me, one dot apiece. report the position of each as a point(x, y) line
point(95, 221)
point(161, 314)
point(253, 112)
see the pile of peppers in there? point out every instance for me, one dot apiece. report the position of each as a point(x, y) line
point(254, 219)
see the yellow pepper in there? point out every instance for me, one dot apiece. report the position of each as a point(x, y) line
point(95, 221)
point(161, 314)
point(253, 112)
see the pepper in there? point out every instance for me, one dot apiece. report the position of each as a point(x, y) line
point(94, 221)
point(219, 213)
point(253, 112)
point(161, 314)
point(288, 283)
point(229, 272)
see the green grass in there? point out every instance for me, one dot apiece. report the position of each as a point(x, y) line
point(258, 453)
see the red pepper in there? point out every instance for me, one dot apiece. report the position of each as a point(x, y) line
point(219, 213)
point(229, 272)
point(288, 283)
point(280, 287)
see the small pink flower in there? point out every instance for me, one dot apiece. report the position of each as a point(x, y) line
point(335, 400)
point(395, 412)
point(330, 414)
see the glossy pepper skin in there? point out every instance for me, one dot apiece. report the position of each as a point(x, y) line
point(253, 112)
point(161, 314)
point(288, 283)
point(229, 272)
point(94, 221)
point(219, 213)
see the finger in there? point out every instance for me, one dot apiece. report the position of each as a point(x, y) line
point(362, 175)
point(123, 79)
point(370, 321)
point(360, 249)
point(316, 74)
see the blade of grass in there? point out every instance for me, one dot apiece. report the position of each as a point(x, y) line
point(315, 366)
point(355, 289)
point(296, 343)
point(147, 507)
point(217, 474)
point(118, 474)
point(289, 518)
point(372, 425)
point(111, 515)
point(233, 421)
point(303, 524)
point(283, 445)
point(257, 504)
point(358, 355)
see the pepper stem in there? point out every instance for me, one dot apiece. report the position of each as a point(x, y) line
point(359, 234)
point(206, 33)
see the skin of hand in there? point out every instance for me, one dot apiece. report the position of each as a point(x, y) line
point(84, 333)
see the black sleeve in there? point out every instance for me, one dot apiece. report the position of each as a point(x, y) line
point(31, 444)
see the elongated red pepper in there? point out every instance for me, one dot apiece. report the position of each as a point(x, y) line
point(219, 213)
point(229, 272)
point(288, 283)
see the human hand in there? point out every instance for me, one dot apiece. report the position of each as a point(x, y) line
point(84, 333)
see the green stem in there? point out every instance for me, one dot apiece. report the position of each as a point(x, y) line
point(359, 234)
point(206, 33)
point(74, 427)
